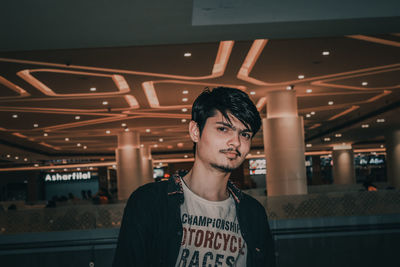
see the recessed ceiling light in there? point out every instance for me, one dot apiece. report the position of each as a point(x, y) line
point(126, 129)
point(289, 87)
point(148, 130)
point(65, 170)
point(45, 134)
point(301, 76)
point(252, 93)
point(123, 124)
point(35, 125)
point(380, 120)
point(93, 89)
point(338, 135)
point(184, 109)
point(66, 139)
point(84, 147)
point(183, 120)
point(185, 156)
point(187, 54)
point(364, 83)
point(161, 140)
point(52, 170)
point(308, 115)
point(105, 102)
point(365, 126)
point(179, 145)
point(330, 103)
point(108, 132)
point(8, 156)
point(15, 116)
point(141, 145)
point(184, 99)
point(16, 157)
point(36, 165)
point(312, 112)
point(25, 159)
point(327, 139)
point(258, 152)
point(155, 145)
point(78, 144)
point(114, 166)
point(185, 92)
point(91, 168)
point(325, 53)
point(78, 169)
point(169, 147)
point(77, 117)
point(309, 91)
point(309, 145)
point(382, 146)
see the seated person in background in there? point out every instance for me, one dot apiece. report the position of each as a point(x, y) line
point(369, 186)
point(84, 196)
point(89, 194)
point(101, 197)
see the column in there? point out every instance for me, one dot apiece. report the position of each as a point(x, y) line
point(129, 164)
point(343, 170)
point(393, 158)
point(284, 145)
point(147, 164)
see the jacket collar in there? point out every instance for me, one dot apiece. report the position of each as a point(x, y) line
point(175, 188)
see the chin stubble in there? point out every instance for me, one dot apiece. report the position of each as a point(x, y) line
point(222, 168)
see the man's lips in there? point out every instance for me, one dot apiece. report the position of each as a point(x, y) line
point(231, 152)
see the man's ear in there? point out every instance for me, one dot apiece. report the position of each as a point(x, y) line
point(194, 131)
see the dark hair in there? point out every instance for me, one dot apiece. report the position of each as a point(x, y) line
point(226, 100)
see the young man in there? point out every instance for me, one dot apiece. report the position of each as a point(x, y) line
point(202, 219)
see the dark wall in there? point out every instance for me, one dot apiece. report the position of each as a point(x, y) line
point(21, 185)
point(61, 249)
point(337, 241)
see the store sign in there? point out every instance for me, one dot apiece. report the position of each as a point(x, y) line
point(74, 176)
point(257, 166)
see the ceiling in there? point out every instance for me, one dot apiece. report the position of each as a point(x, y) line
point(49, 111)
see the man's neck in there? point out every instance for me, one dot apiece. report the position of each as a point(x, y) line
point(207, 182)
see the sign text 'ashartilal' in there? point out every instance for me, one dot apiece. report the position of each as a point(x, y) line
point(74, 176)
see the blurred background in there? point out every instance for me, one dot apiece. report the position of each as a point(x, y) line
point(95, 101)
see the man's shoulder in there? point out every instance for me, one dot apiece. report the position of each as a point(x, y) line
point(252, 203)
point(150, 190)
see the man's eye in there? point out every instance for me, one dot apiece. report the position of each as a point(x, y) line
point(246, 135)
point(222, 129)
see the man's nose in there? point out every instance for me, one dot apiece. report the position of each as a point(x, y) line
point(234, 140)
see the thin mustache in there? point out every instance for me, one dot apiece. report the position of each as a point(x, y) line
point(230, 150)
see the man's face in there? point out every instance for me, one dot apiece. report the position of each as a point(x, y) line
point(223, 145)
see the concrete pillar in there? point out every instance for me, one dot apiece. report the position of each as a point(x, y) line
point(393, 158)
point(147, 164)
point(343, 170)
point(284, 145)
point(129, 164)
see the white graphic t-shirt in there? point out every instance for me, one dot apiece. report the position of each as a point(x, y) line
point(211, 233)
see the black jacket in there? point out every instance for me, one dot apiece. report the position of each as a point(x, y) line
point(151, 230)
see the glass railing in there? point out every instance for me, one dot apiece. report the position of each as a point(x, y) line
point(89, 216)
